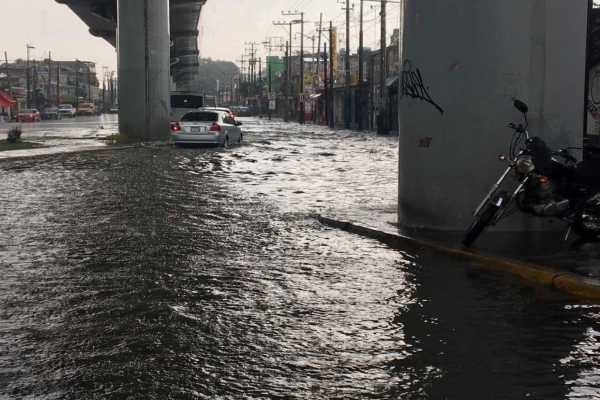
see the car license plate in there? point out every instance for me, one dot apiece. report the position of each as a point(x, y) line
point(195, 129)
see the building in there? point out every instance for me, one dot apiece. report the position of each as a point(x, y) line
point(49, 82)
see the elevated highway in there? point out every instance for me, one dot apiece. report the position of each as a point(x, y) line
point(157, 45)
point(101, 17)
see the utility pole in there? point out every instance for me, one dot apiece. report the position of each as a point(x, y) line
point(28, 77)
point(261, 87)
point(360, 71)
point(243, 77)
point(288, 56)
point(50, 76)
point(318, 59)
point(302, 116)
point(111, 90)
point(57, 83)
point(8, 81)
point(252, 63)
point(347, 100)
point(331, 56)
point(243, 67)
point(104, 88)
point(382, 72)
point(286, 115)
point(268, 43)
point(301, 77)
point(76, 84)
point(325, 81)
point(89, 83)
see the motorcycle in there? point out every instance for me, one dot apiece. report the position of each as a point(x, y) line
point(545, 187)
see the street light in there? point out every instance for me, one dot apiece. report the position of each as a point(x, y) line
point(28, 78)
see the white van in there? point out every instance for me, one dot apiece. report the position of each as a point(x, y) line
point(183, 101)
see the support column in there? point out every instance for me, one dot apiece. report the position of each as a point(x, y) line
point(464, 63)
point(143, 54)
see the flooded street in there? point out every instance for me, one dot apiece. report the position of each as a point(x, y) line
point(159, 272)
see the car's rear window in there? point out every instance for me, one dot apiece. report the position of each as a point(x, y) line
point(26, 111)
point(200, 117)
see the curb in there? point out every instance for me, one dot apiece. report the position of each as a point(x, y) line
point(561, 280)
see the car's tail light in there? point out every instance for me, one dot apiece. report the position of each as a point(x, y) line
point(215, 127)
point(175, 126)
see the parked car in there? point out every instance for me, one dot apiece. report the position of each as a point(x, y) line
point(226, 109)
point(207, 127)
point(67, 110)
point(85, 109)
point(242, 111)
point(51, 113)
point(28, 115)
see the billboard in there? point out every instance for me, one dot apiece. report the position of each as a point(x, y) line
point(276, 64)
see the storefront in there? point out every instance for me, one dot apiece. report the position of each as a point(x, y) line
point(6, 103)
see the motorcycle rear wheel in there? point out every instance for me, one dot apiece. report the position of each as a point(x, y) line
point(485, 218)
point(587, 223)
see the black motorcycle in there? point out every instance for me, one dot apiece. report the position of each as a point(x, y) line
point(545, 186)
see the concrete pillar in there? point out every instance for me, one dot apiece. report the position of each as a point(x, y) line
point(464, 63)
point(143, 55)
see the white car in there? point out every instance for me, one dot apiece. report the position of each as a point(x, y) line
point(207, 127)
point(67, 110)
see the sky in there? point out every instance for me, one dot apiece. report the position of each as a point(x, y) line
point(228, 27)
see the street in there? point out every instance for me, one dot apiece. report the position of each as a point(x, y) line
point(196, 273)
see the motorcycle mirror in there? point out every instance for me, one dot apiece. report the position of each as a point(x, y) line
point(519, 105)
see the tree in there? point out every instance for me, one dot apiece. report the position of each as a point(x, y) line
point(209, 72)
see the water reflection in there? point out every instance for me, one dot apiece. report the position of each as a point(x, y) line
point(159, 272)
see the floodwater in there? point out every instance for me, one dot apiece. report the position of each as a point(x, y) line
point(155, 272)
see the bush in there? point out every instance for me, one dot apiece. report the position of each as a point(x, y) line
point(14, 134)
point(115, 139)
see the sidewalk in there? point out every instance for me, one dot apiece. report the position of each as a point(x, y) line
point(543, 258)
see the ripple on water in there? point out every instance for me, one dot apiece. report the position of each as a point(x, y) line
point(195, 273)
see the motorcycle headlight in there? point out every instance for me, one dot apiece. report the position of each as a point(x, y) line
point(524, 165)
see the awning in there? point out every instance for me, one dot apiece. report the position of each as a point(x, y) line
point(390, 80)
point(6, 100)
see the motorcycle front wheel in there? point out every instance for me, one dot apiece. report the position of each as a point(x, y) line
point(481, 223)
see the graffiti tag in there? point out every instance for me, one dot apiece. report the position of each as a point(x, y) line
point(412, 86)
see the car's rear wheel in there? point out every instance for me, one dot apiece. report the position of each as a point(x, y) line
point(225, 142)
point(241, 139)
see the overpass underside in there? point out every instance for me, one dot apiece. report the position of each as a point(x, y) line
point(156, 41)
point(101, 16)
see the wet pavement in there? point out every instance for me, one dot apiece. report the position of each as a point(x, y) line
point(196, 273)
point(64, 135)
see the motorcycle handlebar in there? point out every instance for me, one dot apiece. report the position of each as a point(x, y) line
point(511, 125)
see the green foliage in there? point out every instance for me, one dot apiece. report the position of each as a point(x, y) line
point(208, 72)
point(14, 134)
point(114, 139)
